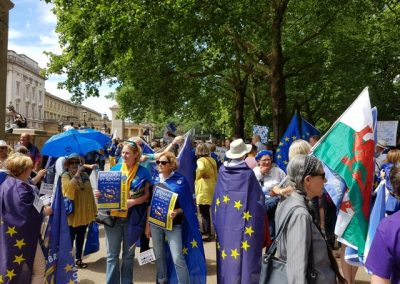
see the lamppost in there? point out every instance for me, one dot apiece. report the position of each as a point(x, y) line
point(60, 125)
point(105, 128)
point(84, 118)
point(223, 128)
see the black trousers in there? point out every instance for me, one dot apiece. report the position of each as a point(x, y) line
point(78, 236)
point(205, 219)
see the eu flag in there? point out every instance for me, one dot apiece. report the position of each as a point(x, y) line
point(19, 230)
point(297, 129)
point(60, 266)
point(238, 216)
point(187, 161)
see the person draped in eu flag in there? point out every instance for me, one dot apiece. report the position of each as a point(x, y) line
point(238, 215)
point(186, 262)
point(21, 257)
point(129, 224)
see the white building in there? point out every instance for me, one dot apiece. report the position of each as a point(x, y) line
point(26, 88)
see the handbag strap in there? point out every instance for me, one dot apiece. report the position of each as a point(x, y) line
point(282, 228)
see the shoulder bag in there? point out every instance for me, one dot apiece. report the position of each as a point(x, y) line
point(105, 219)
point(273, 269)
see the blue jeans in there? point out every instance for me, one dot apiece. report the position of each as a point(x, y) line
point(174, 239)
point(114, 237)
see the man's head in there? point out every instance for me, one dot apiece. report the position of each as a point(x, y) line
point(256, 138)
point(381, 145)
point(313, 140)
point(25, 139)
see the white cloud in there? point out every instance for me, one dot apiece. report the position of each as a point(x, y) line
point(46, 14)
point(14, 34)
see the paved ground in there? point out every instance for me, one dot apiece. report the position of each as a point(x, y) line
point(95, 273)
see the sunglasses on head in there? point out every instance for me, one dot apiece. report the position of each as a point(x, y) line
point(162, 162)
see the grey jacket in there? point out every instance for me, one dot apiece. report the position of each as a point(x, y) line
point(296, 241)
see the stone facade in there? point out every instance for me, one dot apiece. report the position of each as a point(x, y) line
point(26, 88)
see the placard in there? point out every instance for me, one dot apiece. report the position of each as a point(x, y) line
point(387, 131)
point(146, 257)
point(46, 189)
point(262, 131)
point(112, 186)
point(162, 202)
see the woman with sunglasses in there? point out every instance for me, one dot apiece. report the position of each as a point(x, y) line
point(307, 177)
point(185, 229)
point(76, 187)
point(129, 223)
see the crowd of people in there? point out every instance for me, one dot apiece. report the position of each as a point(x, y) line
point(242, 198)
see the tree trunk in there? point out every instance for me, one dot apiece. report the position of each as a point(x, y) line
point(277, 78)
point(240, 86)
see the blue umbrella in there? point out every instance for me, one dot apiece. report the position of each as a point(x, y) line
point(68, 142)
point(94, 134)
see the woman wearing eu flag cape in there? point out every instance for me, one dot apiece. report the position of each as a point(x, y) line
point(129, 224)
point(186, 263)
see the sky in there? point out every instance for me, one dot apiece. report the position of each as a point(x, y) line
point(31, 32)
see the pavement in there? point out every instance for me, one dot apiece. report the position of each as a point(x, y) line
point(95, 273)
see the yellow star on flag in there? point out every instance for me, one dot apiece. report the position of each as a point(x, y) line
point(223, 254)
point(226, 199)
point(245, 245)
point(278, 150)
point(10, 274)
point(217, 202)
point(234, 253)
point(194, 243)
point(19, 243)
point(280, 143)
point(184, 250)
point(11, 231)
point(68, 268)
point(287, 139)
point(279, 156)
point(1, 279)
point(249, 230)
point(19, 258)
point(71, 281)
point(218, 246)
point(238, 205)
point(294, 138)
point(285, 162)
point(247, 215)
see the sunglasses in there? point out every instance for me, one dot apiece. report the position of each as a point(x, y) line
point(75, 163)
point(162, 162)
point(3, 147)
point(320, 175)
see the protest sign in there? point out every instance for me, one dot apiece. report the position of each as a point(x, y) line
point(112, 186)
point(162, 202)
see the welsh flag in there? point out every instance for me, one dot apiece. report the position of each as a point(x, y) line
point(348, 150)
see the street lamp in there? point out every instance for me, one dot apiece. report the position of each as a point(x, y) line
point(60, 125)
point(105, 128)
point(84, 118)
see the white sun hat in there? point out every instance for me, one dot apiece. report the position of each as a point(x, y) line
point(238, 149)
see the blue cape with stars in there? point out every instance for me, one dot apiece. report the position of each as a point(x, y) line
point(192, 243)
point(238, 216)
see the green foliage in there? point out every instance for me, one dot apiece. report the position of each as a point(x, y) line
point(183, 60)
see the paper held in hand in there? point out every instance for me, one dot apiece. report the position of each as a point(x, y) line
point(162, 202)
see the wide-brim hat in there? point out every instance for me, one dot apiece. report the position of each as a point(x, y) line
point(238, 149)
point(73, 156)
point(381, 143)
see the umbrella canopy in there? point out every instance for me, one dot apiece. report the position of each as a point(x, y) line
point(94, 134)
point(68, 142)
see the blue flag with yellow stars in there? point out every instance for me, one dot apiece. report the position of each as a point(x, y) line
point(192, 244)
point(238, 216)
point(187, 161)
point(19, 230)
point(60, 266)
point(295, 130)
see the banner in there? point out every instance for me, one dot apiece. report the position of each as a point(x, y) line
point(162, 202)
point(387, 131)
point(262, 131)
point(112, 186)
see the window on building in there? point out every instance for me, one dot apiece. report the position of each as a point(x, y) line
point(33, 111)
point(18, 88)
point(27, 110)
